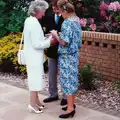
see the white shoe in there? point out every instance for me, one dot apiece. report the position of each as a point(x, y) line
point(31, 109)
point(41, 106)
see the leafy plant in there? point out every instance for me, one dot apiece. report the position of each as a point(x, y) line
point(13, 14)
point(9, 46)
point(87, 77)
point(86, 8)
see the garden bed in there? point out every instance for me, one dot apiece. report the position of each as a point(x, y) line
point(106, 96)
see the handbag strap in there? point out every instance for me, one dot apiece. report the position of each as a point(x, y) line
point(20, 48)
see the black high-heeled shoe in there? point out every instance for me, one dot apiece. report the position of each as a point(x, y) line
point(65, 108)
point(68, 115)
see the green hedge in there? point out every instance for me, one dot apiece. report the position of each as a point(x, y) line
point(9, 46)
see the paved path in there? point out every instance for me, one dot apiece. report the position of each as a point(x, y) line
point(13, 106)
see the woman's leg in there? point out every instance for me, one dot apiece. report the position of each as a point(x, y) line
point(33, 99)
point(70, 100)
point(38, 101)
point(73, 99)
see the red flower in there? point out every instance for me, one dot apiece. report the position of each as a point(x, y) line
point(103, 6)
point(93, 27)
point(103, 13)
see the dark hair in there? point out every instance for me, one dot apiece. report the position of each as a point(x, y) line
point(64, 5)
point(54, 3)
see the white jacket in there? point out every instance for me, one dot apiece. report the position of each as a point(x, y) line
point(34, 41)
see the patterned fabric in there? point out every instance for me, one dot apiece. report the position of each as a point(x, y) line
point(69, 73)
point(71, 34)
point(69, 55)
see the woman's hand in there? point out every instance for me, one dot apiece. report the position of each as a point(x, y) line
point(53, 41)
point(56, 37)
point(54, 34)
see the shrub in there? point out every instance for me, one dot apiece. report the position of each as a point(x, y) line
point(110, 17)
point(87, 77)
point(87, 8)
point(13, 13)
point(105, 13)
point(9, 46)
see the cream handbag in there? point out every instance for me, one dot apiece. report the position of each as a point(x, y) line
point(21, 56)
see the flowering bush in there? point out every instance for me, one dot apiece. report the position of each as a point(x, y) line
point(106, 19)
point(114, 6)
point(110, 17)
point(9, 46)
point(88, 24)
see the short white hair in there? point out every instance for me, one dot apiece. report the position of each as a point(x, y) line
point(41, 5)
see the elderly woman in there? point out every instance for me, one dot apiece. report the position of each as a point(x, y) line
point(34, 44)
point(69, 45)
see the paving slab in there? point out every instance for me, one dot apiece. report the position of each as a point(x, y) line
point(14, 102)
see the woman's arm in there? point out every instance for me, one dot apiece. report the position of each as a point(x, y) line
point(55, 35)
point(62, 42)
point(37, 37)
point(65, 35)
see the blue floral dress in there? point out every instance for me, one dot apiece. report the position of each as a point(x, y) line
point(69, 55)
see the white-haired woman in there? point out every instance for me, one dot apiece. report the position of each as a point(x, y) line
point(34, 44)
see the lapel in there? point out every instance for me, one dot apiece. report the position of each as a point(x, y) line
point(53, 18)
point(52, 24)
point(60, 20)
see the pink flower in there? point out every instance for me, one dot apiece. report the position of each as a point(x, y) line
point(83, 22)
point(93, 27)
point(117, 4)
point(103, 6)
point(103, 13)
point(78, 19)
point(112, 6)
point(115, 24)
point(91, 20)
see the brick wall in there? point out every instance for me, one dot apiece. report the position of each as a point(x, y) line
point(103, 51)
